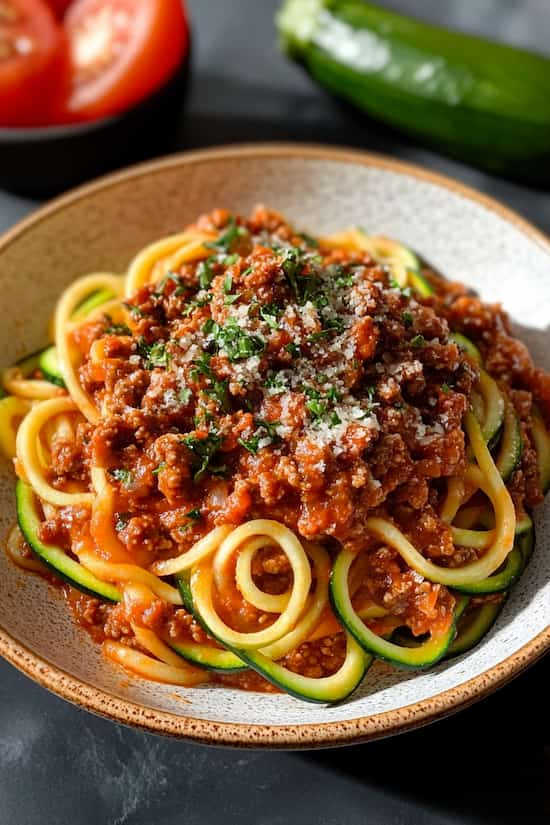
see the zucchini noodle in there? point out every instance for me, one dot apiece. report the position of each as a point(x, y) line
point(323, 688)
point(453, 500)
point(28, 454)
point(107, 571)
point(12, 412)
point(151, 642)
point(96, 301)
point(267, 602)
point(503, 539)
point(315, 607)
point(149, 668)
point(480, 539)
point(17, 385)
point(156, 260)
point(69, 302)
point(201, 550)
point(467, 517)
point(493, 403)
point(202, 581)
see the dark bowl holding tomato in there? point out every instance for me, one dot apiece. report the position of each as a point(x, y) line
point(46, 160)
point(101, 85)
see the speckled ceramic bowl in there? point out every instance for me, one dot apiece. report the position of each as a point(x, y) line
point(463, 234)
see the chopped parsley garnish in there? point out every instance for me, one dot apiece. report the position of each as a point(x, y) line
point(318, 298)
point(202, 367)
point(193, 516)
point(171, 276)
point(330, 325)
point(251, 445)
point(202, 302)
point(122, 475)
point(334, 419)
point(445, 388)
point(311, 392)
point(210, 326)
point(317, 336)
point(407, 318)
point(160, 468)
point(371, 392)
point(270, 313)
point(316, 407)
point(292, 265)
point(305, 287)
point(418, 341)
point(121, 521)
point(205, 417)
point(154, 355)
point(118, 329)
point(293, 349)
point(405, 290)
point(134, 310)
point(205, 272)
point(342, 277)
point(275, 382)
point(218, 389)
point(225, 241)
point(184, 395)
point(228, 285)
point(317, 403)
point(204, 451)
point(270, 427)
point(308, 239)
point(235, 341)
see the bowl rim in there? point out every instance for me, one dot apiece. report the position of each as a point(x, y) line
point(294, 736)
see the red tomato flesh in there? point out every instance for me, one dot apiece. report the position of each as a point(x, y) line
point(59, 7)
point(33, 62)
point(121, 51)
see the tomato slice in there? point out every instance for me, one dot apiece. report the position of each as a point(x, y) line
point(121, 51)
point(59, 7)
point(33, 62)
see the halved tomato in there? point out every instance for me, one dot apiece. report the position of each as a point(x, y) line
point(59, 7)
point(33, 62)
point(121, 51)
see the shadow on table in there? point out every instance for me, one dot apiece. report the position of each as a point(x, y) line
point(483, 765)
point(281, 116)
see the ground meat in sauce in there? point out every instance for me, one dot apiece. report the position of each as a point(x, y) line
point(284, 379)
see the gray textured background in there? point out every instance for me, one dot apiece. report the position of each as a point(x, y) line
point(61, 766)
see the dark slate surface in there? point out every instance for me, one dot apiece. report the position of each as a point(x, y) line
point(62, 766)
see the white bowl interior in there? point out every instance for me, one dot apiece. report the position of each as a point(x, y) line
point(462, 238)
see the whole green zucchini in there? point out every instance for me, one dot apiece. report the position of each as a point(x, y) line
point(483, 102)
